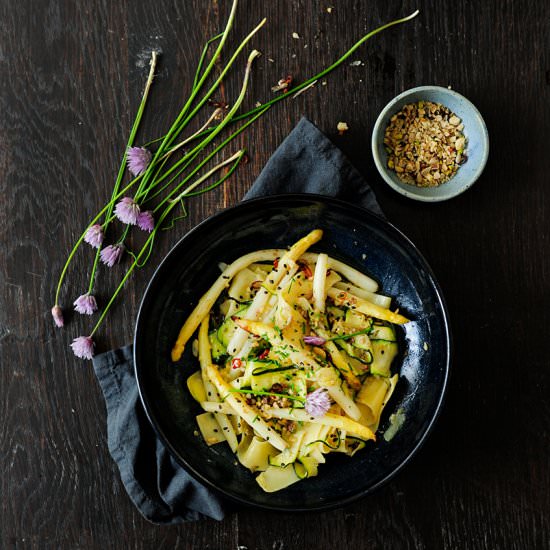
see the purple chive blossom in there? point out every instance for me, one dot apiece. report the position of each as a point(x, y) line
point(317, 403)
point(57, 314)
point(146, 221)
point(83, 347)
point(314, 340)
point(94, 235)
point(111, 254)
point(138, 159)
point(85, 304)
point(127, 211)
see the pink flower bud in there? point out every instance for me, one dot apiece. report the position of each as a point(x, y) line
point(314, 340)
point(57, 314)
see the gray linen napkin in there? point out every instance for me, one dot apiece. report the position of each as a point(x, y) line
point(163, 492)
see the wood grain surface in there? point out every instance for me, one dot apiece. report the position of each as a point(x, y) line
point(72, 76)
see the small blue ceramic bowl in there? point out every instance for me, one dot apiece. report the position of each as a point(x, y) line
point(475, 131)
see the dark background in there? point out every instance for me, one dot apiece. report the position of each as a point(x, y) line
point(72, 74)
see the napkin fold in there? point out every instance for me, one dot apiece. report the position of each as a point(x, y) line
point(163, 492)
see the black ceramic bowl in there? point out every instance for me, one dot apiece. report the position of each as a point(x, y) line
point(350, 234)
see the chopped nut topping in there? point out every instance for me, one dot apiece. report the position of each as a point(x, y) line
point(425, 144)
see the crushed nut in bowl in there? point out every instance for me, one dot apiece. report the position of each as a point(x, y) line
point(425, 143)
point(430, 143)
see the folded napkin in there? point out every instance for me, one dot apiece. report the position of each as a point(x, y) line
point(163, 492)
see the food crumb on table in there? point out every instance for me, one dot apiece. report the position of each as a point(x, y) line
point(342, 127)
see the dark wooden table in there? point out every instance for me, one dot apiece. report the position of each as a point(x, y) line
point(72, 75)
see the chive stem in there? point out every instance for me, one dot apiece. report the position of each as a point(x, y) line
point(348, 336)
point(268, 393)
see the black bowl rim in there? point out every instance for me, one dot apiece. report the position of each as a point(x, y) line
point(310, 198)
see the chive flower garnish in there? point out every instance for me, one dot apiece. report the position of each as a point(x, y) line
point(317, 403)
point(111, 254)
point(146, 221)
point(127, 211)
point(138, 159)
point(314, 340)
point(85, 304)
point(83, 347)
point(94, 235)
point(165, 174)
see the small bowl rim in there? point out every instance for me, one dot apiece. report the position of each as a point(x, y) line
point(413, 192)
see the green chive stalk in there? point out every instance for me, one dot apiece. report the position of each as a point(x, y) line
point(122, 167)
point(172, 204)
point(307, 83)
point(310, 81)
point(108, 209)
point(219, 148)
point(183, 124)
point(137, 257)
point(149, 182)
point(269, 394)
point(194, 91)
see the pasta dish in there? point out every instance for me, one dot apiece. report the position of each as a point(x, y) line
point(295, 351)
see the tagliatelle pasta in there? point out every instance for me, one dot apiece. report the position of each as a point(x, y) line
point(295, 352)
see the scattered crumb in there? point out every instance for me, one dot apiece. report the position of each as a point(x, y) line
point(355, 243)
point(196, 433)
point(449, 87)
point(425, 346)
point(356, 63)
point(293, 55)
point(73, 411)
point(271, 60)
point(258, 104)
point(342, 127)
point(282, 84)
point(324, 83)
point(305, 46)
point(363, 256)
point(295, 35)
point(329, 10)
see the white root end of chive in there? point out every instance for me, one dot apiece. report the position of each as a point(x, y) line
point(207, 175)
